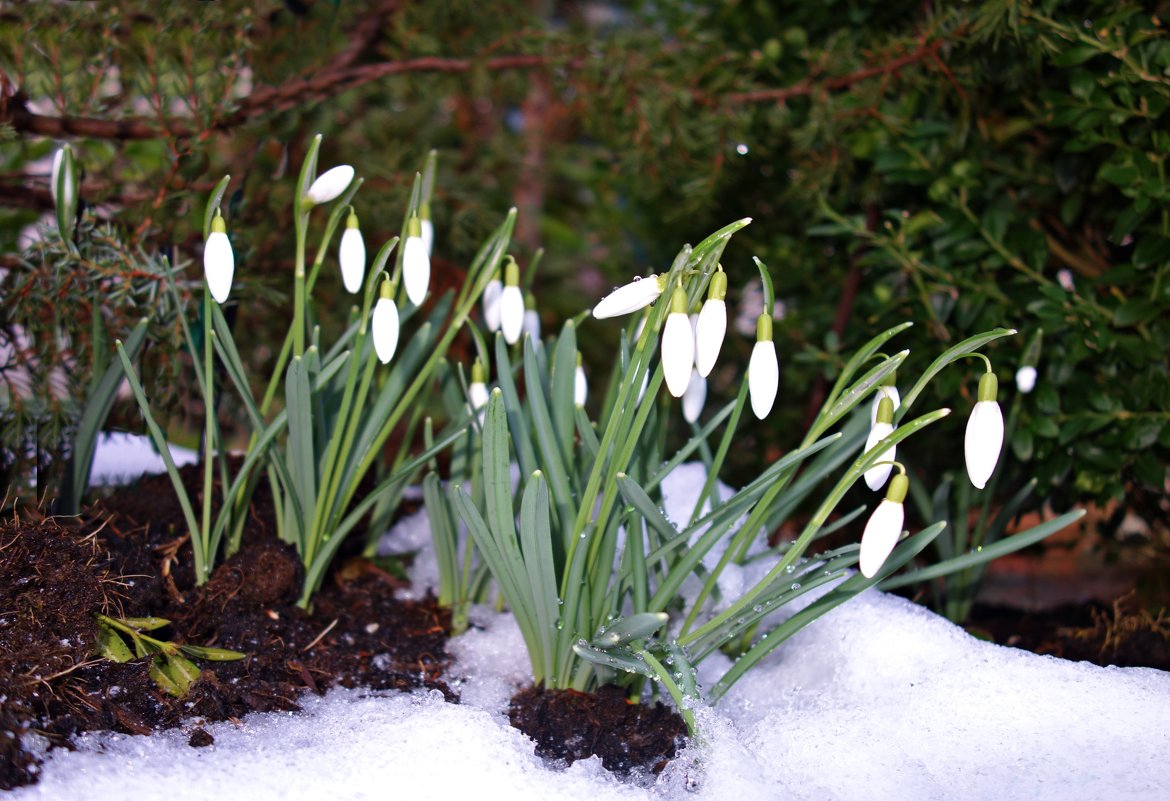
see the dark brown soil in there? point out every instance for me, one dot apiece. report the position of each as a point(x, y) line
point(1104, 634)
point(128, 557)
point(569, 725)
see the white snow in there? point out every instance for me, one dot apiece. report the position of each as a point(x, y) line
point(880, 699)
point(120, 458)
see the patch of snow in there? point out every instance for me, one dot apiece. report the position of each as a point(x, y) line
point(120, 458)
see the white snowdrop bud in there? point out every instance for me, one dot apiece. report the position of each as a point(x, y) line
point(330, 185)
point(883, 528)
point(352, 256)
point(511, 304)
point(712, 324)
point(416, 264)
point(678, 345)
point(876, 476)
point(638, 294)
point(694, 398)
point(219, 263)
point(763, 369)
point(384, 324)
point(984, 437)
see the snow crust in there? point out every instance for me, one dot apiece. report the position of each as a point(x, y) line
point(121, 457)
point(880, 699)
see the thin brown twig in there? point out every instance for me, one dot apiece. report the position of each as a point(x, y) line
point(339, 77)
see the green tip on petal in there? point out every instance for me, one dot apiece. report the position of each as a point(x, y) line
point(478, 373)
point(899, 486)
point(217, 225)
point(764, 328)
point(414, 227)
point(387, 290)
point(511, 273)
point(718, 287)
point(885, 412)
point(678, 301)
point(988, 387)
point(351, 221)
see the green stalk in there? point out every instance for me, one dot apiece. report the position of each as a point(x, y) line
point(208, 437)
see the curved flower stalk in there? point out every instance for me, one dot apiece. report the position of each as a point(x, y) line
point(219, 263)
point(352, 255)
point(638, 294)
point(712, 324)
point(763, 369)
point(984, 437)
point(384, 323)
point(876, 476)
point(416, 263)
point(678, 344)
point(694, 398)
point(329, 185)
point(512, 304)
point(884, 527)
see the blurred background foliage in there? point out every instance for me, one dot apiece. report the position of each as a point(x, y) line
point(962, 165)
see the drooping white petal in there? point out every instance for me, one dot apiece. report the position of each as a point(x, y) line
point(763, 378)
point(694, 397)
point(512, 313)
point(416, 269)
point(709, 333)
point(219, 265)
point(678, 353)
point(532, 325)
point(352, 256)
point(491, 304)
point(1026, 379)
point(478, 394)
point(638, 294)
point(880, 536)
point(329, 185)
point(983, 442)
point(876, 476)
point(580, 386)
point(58, 162)
point(883, 392)
point(384, 329)
point(427, 231)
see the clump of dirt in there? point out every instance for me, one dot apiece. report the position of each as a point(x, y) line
point(129, 557)
point(1117, 633)
point(570, 725)
point(50, 588)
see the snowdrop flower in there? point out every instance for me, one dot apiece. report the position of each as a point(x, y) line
point(352, 255)
point(427, 227)
point(876, 476)
point(416, 264)
point(1026, 379)
point(638, 294)
point(763, 369)
point(1065, 279)
point(712, 324)
point(886, 390)
point(884, 527)
point(580, 385)
point(384, 324)
point(678, 344)
point(511, 304)
point(491, 304)
point(63, 160)
point(984, 438)
point(531, 318)
point(329, 185)
point(694, 398)
point(477, 391)
point(219, 263)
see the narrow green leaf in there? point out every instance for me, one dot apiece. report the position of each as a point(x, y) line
point(211, 654)
point(536, 543)
point(110, 645)
point(615, 658)
point(213, 202)
point(634, 627)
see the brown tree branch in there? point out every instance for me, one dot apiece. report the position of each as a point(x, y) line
point(340, 76)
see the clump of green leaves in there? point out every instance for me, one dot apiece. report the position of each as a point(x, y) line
point(170, 663)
